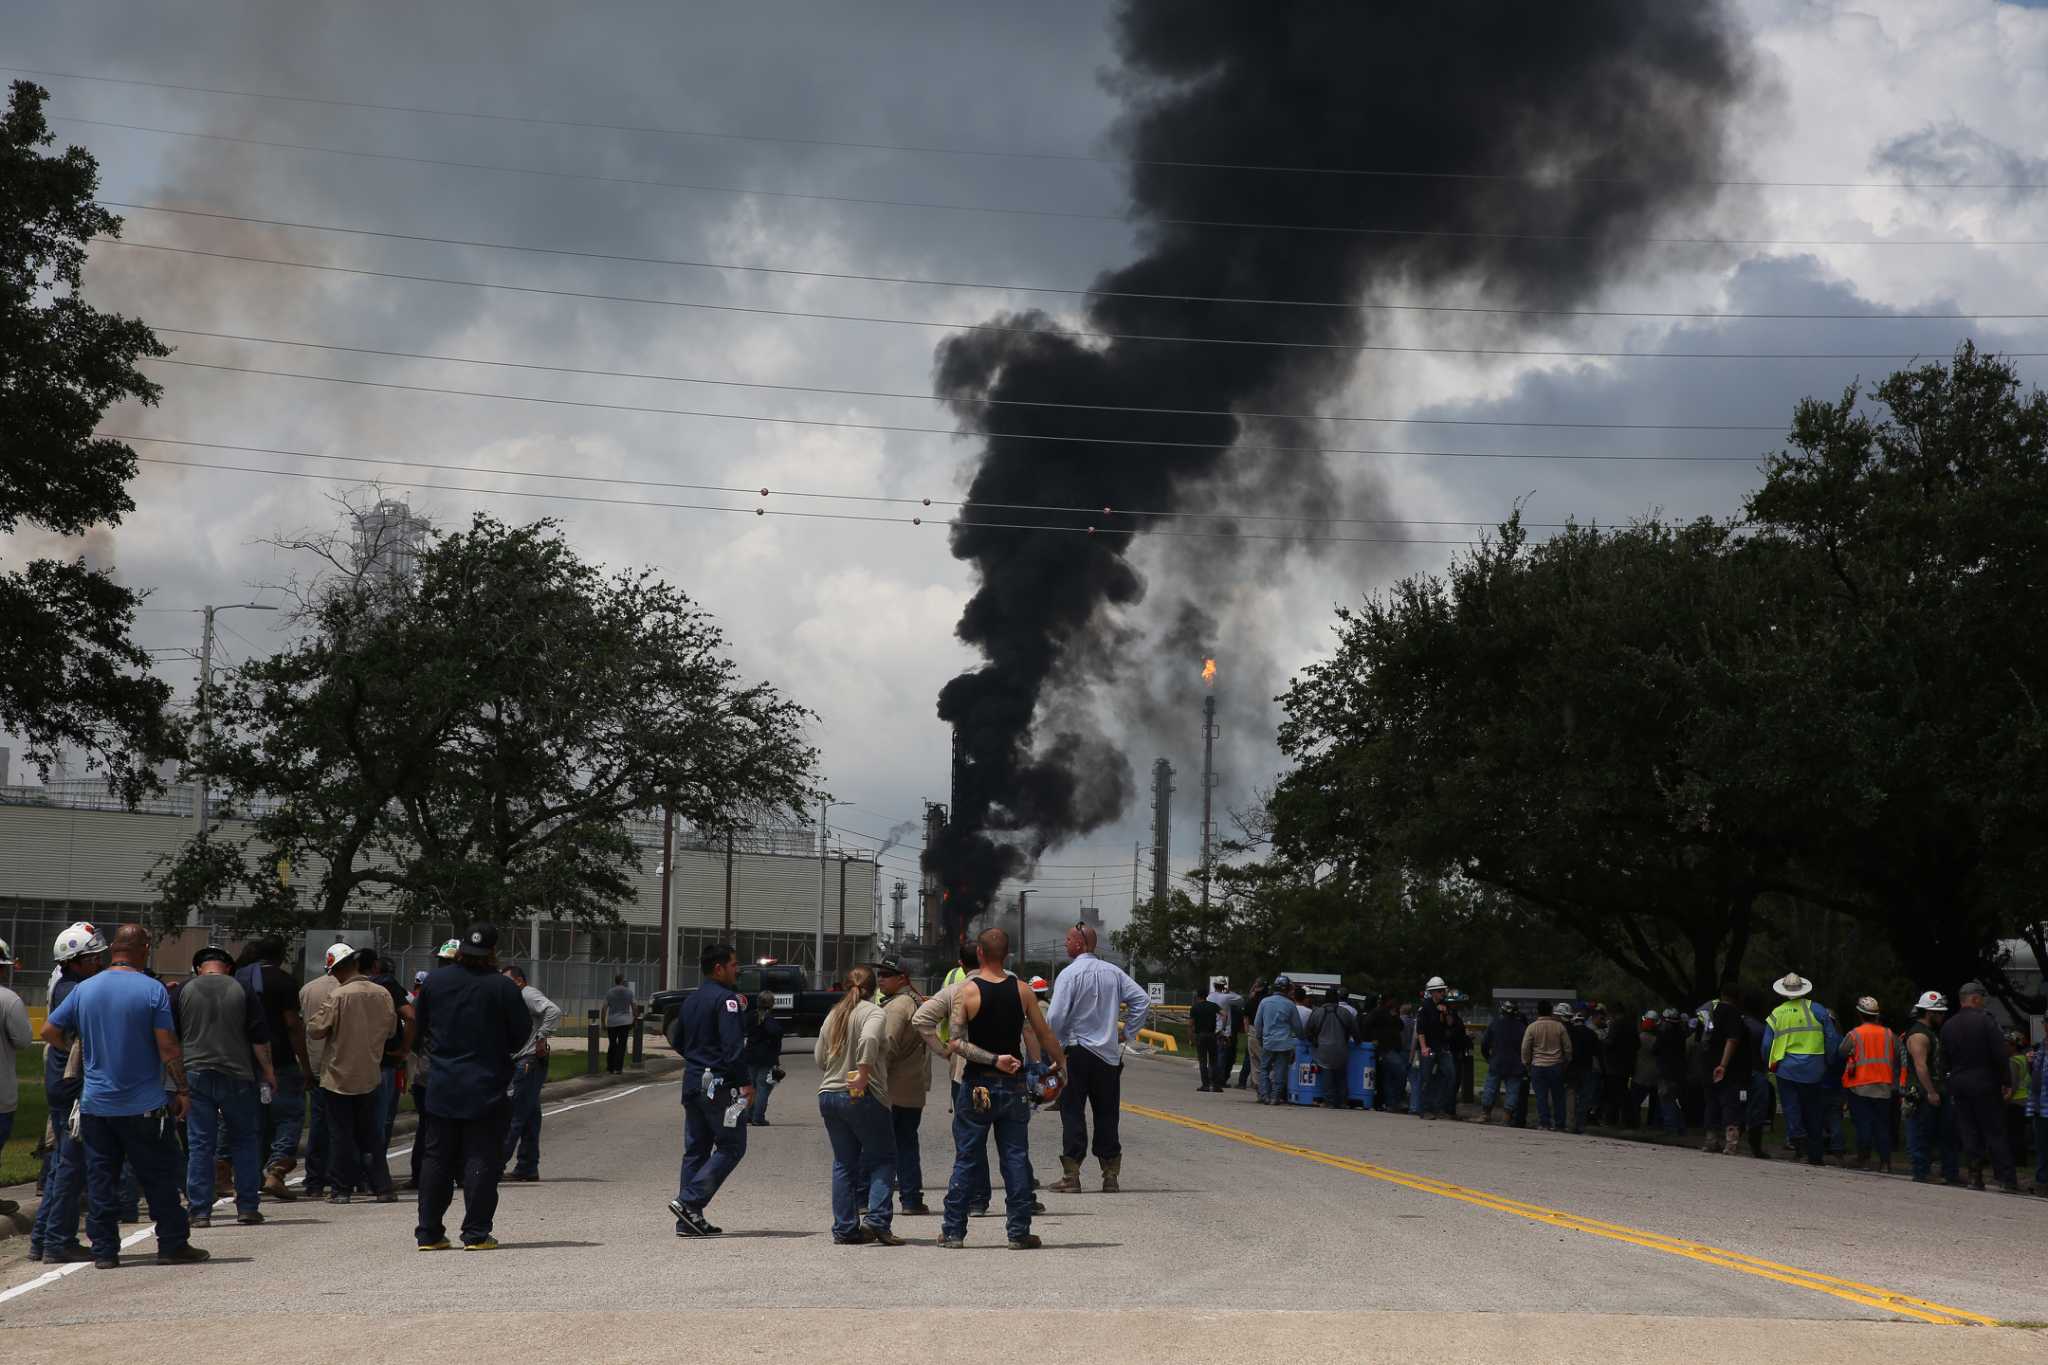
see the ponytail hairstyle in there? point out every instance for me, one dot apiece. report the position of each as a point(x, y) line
point(859, 982)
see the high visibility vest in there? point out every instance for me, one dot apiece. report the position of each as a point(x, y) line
point(1873, 1057)
point(946, 1025)
point(1795, 1031)
point(2019, 1078)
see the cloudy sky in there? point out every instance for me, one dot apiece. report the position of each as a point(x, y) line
point(622, 139)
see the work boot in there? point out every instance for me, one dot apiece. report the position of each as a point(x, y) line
point(273, 1182)
point(1756, 1145)
point(1070, 1179)
point(1713, 1145)
point(1485, 1117)
point(1798, 1146)
point(1110, 1170)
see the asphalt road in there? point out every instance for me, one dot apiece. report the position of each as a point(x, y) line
point(1300, 1230)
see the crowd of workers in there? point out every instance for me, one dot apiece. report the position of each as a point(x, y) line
point(1967, 1092)
point(176, 1096)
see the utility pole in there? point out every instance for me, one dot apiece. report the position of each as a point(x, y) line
point(1136, 849)
point(1023, 904)
point(668, 861)
point(824, 839)
point(1208, 793)
point(1162, 829)
point(728, 886)
point(199, 786)
point(839, 948)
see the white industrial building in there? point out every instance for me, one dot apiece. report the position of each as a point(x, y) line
point(70, 854)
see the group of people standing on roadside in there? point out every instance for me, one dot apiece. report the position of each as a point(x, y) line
point(1008, 1051)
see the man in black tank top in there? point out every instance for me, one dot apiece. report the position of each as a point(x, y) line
point(989, 1014)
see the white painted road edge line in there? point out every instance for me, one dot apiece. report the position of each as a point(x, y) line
point(149, 1229)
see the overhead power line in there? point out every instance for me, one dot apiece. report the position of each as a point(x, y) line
point(1537, 179)
point(940, 431)
point(1076, 334)
point(809, 516)
point(1000, 287)
point(1076, 215)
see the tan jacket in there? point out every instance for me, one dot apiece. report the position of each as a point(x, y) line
point(1547, 1043)
point(312, 996)
point(355, 1022)
point(910, 1063)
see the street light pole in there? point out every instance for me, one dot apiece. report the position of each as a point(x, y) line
point(206, 703)
point(824, 840)
point(839, 949)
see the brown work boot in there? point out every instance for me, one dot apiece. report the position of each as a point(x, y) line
point(1111, 1169)
point(1070, 1181)
point(274, 1186)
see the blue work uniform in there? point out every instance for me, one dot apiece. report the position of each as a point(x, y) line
point(710, 1032)
point(473, 1020)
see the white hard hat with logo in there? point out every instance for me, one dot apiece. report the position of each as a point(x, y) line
point(337, 954)
point(1933, 1001)
point(1435, 983)
point(79, 940)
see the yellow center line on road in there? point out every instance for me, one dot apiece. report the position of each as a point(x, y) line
point(1870, 1296)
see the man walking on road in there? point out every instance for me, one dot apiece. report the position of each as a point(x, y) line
point(226, 1042)
point(529, 1074)
point(1975, 1051)
point(1798, 1037)
point(1085, 1002)
point(122, 1018)
point(355, 1021)
point(710, 1034)
point(619, 1013)
point(14, 1036)
point(910, 1080)
point(474, 1021)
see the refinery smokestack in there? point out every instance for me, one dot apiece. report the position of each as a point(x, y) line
point(1208, 781)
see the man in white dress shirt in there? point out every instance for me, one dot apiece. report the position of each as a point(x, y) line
point(1086, 999)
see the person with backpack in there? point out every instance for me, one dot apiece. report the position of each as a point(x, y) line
point(1332, 1028)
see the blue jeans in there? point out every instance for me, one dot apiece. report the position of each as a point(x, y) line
point(1588, 1099)
point(1008, 1118)
point(764, 1086)
point(1546, 1083)
point(387, 1099)
point(285, 1118)
point(863, 1139)
point(710, 1150)
point(1273, 1073)
point(1392, 1090)
point(319, 1151)
point(218, 1100)
point(56, 1224)
point(147, 1143)
point(1440, 1082)
point(1496, 1085)
point(2040, 1151)
point(1873, 1120)
point(522, 1139)
point(1804, 1122)
point(1930, 1128)
point(909, 1160)
point(1759, 1106)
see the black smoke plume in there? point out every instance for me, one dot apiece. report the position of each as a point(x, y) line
point(1574, 129)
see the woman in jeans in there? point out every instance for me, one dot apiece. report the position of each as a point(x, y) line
point(850, 1054)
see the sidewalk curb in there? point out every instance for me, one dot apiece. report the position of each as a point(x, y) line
point(19, 1224)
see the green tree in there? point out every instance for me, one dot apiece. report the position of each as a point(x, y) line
point(73, 676)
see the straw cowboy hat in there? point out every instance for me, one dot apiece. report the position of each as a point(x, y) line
point(1792, 986)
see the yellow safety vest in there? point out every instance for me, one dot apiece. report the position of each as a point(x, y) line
point(946, 1025)
point(1795, 1031)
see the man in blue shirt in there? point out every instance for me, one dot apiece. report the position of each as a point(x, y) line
point(473, 1021)
point(1085, 1003)
point(80, 953)
point(123, 1021)
point(710, 1032)
point(1799, 1037)
point(1278, 1024)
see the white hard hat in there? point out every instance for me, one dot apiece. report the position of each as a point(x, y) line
point(6, 954)
point(337, 954)
point(1561, 1010)
point(80, 940)
point(1435, 983)
point(1867, 1004)
point(1932, 1000)
point(1792, 986)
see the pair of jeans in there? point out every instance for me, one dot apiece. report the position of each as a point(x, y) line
point(764, 1086)
point(1392, 1089)
point(1873, 1120)
point(522, 1139)
point(711, 1151)
point(1547, 1084)
point(1980, 1129)
point(1274, 1069)
point(1007, 1118)
point(863, 1138)
point(387, 1102)
point(319, 1150)
point(1226, 1053)
point(1931, 1131)
point(1670, 1111)
point(903, 1121)
point(1440, 1082)
point(1498, 1086)
point(1251, 1065)
point(615, 1049)
point(1804, 1122)
point(223, 1102)
point(1330, 1085)
point(1094, 1087)
point(148, 1144)
point(418, 1155)
point(1205, 1060)
point(355, 1142)
point(1760, 1100)
point(1586, 1100)
point(2040, 1148)
point(470, 1150)
point(284, 1118)
point(56, 1224)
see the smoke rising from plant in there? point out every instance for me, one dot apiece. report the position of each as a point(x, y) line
point(1571, 131)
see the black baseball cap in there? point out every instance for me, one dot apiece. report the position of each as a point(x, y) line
point(210, 953)
point(478, 940)
point(890, 966)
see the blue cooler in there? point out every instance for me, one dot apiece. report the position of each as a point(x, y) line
point(1303, 1076)
point(1359, 1075)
